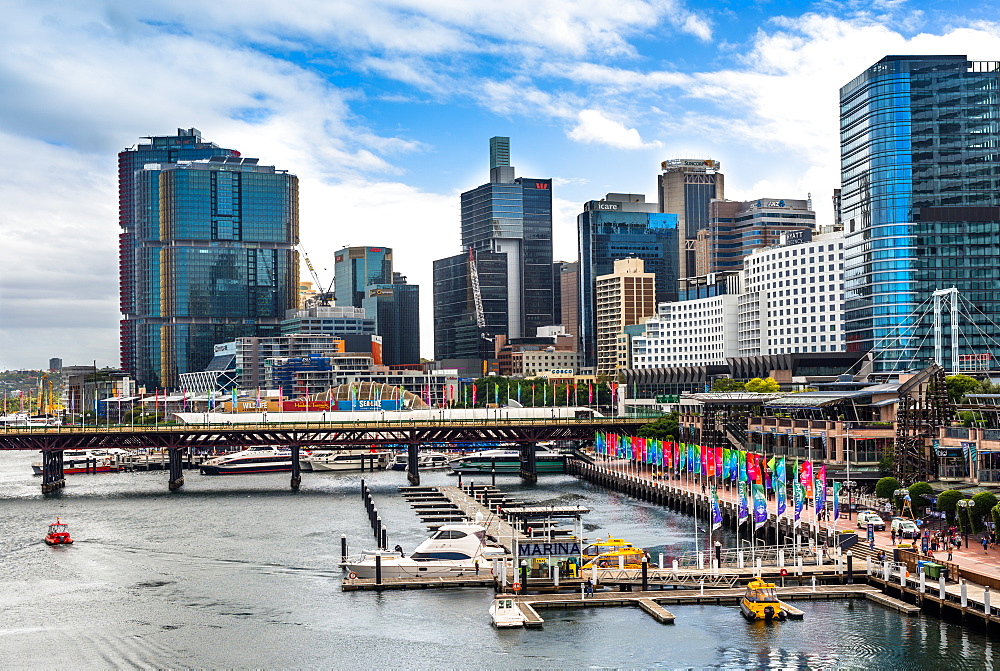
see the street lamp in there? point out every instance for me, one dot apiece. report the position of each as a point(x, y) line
point(965, 504)
point(849, 486)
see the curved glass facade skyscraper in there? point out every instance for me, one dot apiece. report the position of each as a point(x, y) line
point(920, 203)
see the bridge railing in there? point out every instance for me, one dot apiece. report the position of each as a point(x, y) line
point(387, 424)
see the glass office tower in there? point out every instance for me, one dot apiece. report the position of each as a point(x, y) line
point(508, 219)
point(214, 260)
point(355, 268)
point(920, 203)
point(138, 249)
point(396, 310)
point(622, 225)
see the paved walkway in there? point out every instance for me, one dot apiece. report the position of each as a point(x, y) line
point(971, 558)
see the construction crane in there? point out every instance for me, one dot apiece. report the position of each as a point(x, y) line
point(477, 298)
point(322, 298)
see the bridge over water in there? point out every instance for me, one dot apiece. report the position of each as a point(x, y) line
point(188, 438)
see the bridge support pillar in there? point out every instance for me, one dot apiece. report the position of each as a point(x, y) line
point(53, 478)
point(529, 467)
point(176, 462)
point(296, 468)
point(413, 463)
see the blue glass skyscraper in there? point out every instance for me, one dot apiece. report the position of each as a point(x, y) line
point(210, 258)
point(920, 203)
point(622, 225)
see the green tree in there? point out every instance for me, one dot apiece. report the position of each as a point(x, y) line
point(960, 385)
point(722, 384)
point(918, 495)
point(885, 465)
point(767, 385)
point(946, 503)
point(995, 512)
point(885, 487)
point(664, 428)
point(984, 502)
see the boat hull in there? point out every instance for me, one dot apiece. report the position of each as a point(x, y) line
point(407, 568)
point(542, 466)
point(246, 470)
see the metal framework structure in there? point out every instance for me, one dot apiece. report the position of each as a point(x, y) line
point(349, 435)
point(923, 407)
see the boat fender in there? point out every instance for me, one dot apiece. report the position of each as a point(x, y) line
point(516, 587)
point(784, 571)
point(352, 575)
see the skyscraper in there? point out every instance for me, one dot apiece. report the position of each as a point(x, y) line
point(737, 228)
point(396, 310)
point(355, 268)
point(920, 203)
point(510, 217)
point(138, 250)
point(207, 254)
point(625, 297)
point(685, 188)
point(620, 226)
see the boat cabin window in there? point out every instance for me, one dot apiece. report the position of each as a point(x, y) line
point(431, 556)
point(765, 594)
point(449, 534)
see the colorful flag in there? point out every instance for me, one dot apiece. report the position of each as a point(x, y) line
point(235, 403)
point(779, 483)
point(744, 511)
point(820, 489)
point(742, 461)
point(473, 394)
point(798, 496)
point(681, 457)
point(836, 501)
point(753, 472)
point(718, 461)
point(716, 510)
point(806, 478)
point(759, 506)
point(726, 456)
point(696, 458)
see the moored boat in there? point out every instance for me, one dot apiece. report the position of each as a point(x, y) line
point(88, 461)
point(58, 534)
point(426, 461)
point(507, 461)
point(254, 460)
point(760, 602)
point(453, 550)
point(505, 612)
point(348, 460)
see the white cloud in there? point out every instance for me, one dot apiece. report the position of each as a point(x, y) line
point(594, 127)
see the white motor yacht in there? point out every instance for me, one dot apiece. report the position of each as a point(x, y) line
point(347, 460)
point(426, 461)
point(453, 550)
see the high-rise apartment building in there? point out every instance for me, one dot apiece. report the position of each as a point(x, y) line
point(207, 254)
point(737, 228)
point(622, 225)
point(920, 203)
point(355, 268)
point(686, 187)
point(508, 219)
point(624, 297)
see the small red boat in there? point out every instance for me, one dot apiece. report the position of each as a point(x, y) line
point(57, 534)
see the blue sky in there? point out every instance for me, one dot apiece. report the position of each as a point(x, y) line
point(384, 110)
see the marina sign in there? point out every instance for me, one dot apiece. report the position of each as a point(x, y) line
point(548, 549)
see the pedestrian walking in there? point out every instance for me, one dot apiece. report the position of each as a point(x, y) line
point(949, 553)
point(892, 535)
point(986, 543)
point(589, 586)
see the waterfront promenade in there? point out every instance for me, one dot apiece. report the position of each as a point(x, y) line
point(971, 558)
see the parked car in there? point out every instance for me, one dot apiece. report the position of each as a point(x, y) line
point(905, 528)
point(866, 517)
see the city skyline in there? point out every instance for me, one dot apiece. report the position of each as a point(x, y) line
point(385, 119)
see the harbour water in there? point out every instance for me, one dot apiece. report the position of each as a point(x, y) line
point(239, 571)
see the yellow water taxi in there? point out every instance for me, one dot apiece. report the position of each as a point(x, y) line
point(609, 544)
point(760, 602)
